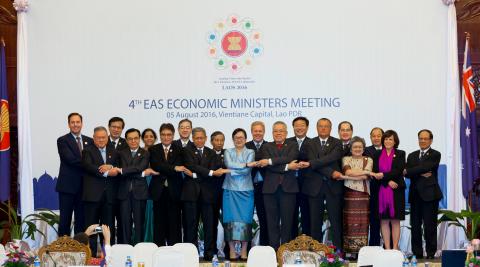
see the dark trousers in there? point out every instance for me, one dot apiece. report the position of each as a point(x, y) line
point(279, 207)
point(260, 208)
point(100, 212)
point(334, 205)
point(167, 220)
point(216, 217)
point(302, 206)
point(131, 211)
point(68, 204)
point(193, 211)
point(374, 239)
point(423, 212)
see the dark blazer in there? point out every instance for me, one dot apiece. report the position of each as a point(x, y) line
point(132, 168)
point(427, 188)
point(396, 172)
point(70, 176)
point(258, 156)
point(275, 174)
point(178, 143)
point(370, 151)
point(302, 154)
point(203, 187)
point(323, 162)
point(121, 145)
point(218, 181)
point(166, 168)
point(345, 150)
point(94, 184)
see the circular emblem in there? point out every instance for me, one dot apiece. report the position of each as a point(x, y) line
point(234, 43)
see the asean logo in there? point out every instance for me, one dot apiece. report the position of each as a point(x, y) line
point(234, 43)
point(4, 126)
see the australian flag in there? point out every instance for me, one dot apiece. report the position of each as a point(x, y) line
point(468, 126)
point(4, 130)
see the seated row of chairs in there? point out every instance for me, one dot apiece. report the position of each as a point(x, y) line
point(68, 252)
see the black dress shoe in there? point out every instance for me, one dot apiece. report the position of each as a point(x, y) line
point(207, 257)
point(430, 257)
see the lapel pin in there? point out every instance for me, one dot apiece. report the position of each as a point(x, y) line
point(327, 144)
point(196, 152)
point(109, 156)
point(170, 151)
point(138, 155)
point(394, 155)
point(86, 143)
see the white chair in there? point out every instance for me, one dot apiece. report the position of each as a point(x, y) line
point(262, 256)
point(190, 252)
point(367, 255)
point(389, 258)
point(119, 254)
point(168, 257)
point(143, 252)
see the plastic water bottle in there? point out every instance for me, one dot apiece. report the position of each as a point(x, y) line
point(36, 262)
point(413, 262)
point(215, 262)
point(298, 259)
point(406, 263)
point(128, 262)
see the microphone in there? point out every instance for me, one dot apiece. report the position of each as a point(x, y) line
point(51, 258)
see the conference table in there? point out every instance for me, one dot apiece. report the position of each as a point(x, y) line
point(244, 264)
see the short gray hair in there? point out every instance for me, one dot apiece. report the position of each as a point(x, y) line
point(99, 128)
point(356, 139)
point(199, 129)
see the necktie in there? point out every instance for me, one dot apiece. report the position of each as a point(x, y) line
point(184, 144)
point(257, 145)
point(200, 152)
point(114, 144)
point(323, 143)
point(133, 153)
point(165, 151)
point(300, 141)
point(79, 144)
point(279, 146)
point(104, 155)
point(422, 154)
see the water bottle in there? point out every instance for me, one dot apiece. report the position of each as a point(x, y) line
point(128, 262)
point(36, 262)
point(215, 262)
point(413, 262)
point(406, 263)
point(298, 259)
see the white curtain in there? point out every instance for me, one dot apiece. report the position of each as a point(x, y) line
point(25, 177)
point(456, 201)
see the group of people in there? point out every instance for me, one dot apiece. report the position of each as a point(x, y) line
point(290, 182)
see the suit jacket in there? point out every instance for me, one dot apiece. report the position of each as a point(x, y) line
point(427, 187)
point(166, 168)
point(370, 151)
point(178, 143)
point(94, 184)
point(218, 181)
point(203, 187)
point(323, 162)
point(70, 176)
point(276, 174)
point(121, 145)
point(258, 156)
point(345, 149)
point(131, 179)
point(302, 154)
point(396, 172)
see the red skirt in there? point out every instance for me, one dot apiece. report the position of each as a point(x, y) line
point(355, 220)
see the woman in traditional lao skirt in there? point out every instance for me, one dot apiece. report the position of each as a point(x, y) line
point(357, 170)
point(238, 194)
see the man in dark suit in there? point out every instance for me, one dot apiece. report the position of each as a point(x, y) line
point(322, 184)
point(100, 184)
point(70, 177)
point(115, 127)
point(257, 129)
point(198, 192)
point(133, 188)
point(217, 139)
point(166, 188)
point(280, 186)
point(345, 133)
point(300, 129)
point(424, 194)
point(376, 137)
point(184, 131)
